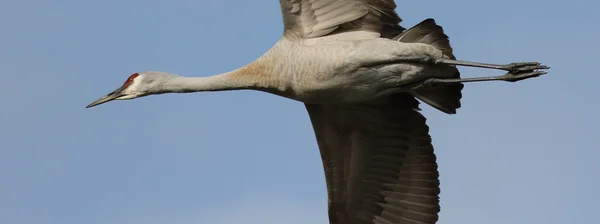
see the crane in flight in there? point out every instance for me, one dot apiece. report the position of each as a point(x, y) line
point(360, 75)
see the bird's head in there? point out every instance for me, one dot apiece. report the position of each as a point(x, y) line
point(137, 85)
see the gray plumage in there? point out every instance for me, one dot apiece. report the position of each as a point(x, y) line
point(359, 74)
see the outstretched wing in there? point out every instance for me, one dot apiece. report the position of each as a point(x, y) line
point(316, 18)
point(379, 163)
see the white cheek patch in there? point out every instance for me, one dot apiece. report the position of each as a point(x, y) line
point(132, 91)
point(134, 87)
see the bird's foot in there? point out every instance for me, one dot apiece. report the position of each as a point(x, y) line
point(523, 67)
point(518, 76)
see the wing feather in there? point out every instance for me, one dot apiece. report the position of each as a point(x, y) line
point(316, 18)
point(379, 162)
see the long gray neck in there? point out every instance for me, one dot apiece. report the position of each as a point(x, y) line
point(221, 82)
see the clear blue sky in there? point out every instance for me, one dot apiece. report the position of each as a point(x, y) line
point(515, 153)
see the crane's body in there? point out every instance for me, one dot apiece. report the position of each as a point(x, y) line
point(359, 74)
point(341, 71)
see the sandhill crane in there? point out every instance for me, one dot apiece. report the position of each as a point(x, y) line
point(359, 74)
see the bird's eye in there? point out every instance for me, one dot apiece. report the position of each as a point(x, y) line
point(130, 80)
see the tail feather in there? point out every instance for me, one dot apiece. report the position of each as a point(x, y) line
point(445, 98)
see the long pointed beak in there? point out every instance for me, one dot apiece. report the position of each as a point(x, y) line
point(110, 97)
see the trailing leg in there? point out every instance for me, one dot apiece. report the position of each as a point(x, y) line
point(509, 77)
point(512, 67)
point(516, 71)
